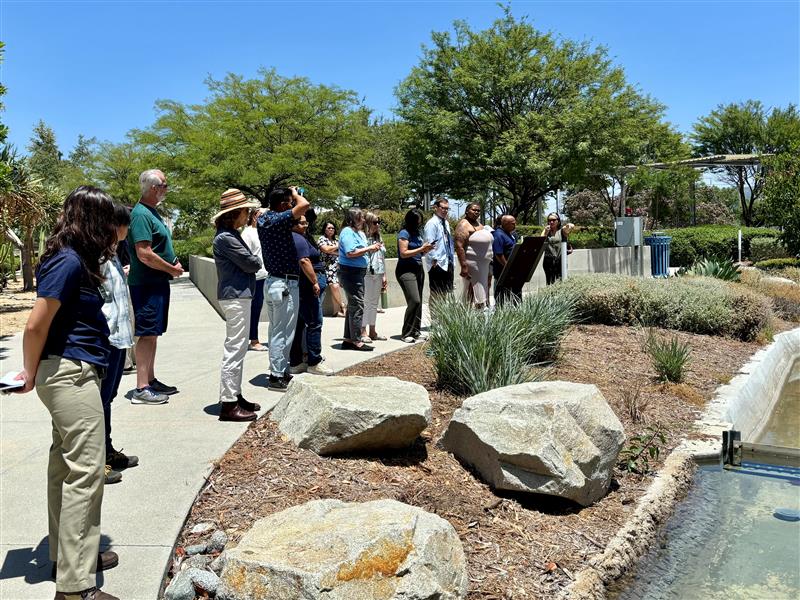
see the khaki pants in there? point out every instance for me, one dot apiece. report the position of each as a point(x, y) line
point(70, 390)
point(237, 326)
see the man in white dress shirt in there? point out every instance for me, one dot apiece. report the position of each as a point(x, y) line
point(439, 261)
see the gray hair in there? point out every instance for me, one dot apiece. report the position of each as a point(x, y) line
point(351, 218)
point(148, 179)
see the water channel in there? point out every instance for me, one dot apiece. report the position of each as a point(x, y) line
point(724, 540)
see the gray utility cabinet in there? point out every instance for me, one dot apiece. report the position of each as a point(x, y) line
point(628, 231)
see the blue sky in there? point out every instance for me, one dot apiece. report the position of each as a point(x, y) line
point(98, 67)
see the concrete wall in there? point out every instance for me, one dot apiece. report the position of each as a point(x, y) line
point(627, 261)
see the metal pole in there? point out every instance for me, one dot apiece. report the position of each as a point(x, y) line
point(740, 245)
point(563, 260)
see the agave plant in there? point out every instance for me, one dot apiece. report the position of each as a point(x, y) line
point(723, 269)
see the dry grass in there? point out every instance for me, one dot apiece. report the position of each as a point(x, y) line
point(785, 296)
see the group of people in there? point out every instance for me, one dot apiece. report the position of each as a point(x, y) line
point(91, 307)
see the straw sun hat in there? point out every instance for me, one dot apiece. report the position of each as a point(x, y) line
point(234, 199)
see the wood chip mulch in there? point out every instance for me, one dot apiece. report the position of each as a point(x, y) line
point(516, 546)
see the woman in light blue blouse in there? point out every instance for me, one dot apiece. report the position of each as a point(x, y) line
point(353, 251)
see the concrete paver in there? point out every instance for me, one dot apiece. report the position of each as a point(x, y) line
point(176, 444)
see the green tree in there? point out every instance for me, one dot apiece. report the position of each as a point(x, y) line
point(746, 128)
point(45, 157)
point(524, 113)
point(78, 168)
point(259, 134)
point(116, 168)
point(5, 169)
point(782, 196)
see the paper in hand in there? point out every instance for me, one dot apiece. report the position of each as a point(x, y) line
point(9, 382)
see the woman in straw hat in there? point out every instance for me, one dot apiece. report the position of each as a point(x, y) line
point(236, 269)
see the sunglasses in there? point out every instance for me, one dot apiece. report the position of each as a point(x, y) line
point(552, 220)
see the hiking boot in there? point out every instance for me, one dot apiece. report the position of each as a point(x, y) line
point(301, 368)
point(246, 405)
point(147, 395)
point(90, 594)
point(320, 369)
point(105, 561)
point(118, 461)
point(112, 476)
point(277, 384)
point(231, 411)
point(163, 388)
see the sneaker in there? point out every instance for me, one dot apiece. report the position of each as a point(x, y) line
point(287, 377)
point(301, 368)
point(422, 336)
point(277, 384)
point(320, 369)
point(409, 340)
point(163, 388)
point(112, 476)
point(118, 461)
point(147, 395)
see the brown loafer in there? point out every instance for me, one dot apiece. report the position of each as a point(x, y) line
point(105, 561)
point(231, 411)
point(90, 594)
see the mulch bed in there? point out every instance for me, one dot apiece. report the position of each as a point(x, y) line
point(516, 546)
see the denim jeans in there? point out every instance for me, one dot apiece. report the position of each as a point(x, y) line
point(255, 308)
point(309, 324)
point(283, 300)
point(109, 387)
point(352, 281)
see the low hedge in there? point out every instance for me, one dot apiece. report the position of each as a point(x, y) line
point(777, 263)
point(694, 304)
point(690, 244)
point(763, 248)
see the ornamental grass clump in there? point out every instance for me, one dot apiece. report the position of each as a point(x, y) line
point(670, 357)
point(475, 351)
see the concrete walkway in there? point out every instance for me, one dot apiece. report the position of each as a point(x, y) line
point(176, 444)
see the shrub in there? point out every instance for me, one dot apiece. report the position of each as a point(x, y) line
point(695, 304)
point(199, 245)
point(778, 263)
point(762, 248)
point(785, 296)
point(475, 351)
point(669, 357)
point(720, 269)
point(690, 244)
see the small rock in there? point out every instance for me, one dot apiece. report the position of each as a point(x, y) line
point(195, 549)
point(181, 587)
point(205, 580)
point(198, 561)
point(217, 542)
point(218, 564)
point(202, 528)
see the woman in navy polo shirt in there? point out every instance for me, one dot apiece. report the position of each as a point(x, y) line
point(409, 272)
point(66, 350)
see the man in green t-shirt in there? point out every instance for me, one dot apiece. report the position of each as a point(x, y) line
point(153, 264)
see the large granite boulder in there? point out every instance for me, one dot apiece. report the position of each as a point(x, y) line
point(333, 550)
point(555, 437)
point(332, 415)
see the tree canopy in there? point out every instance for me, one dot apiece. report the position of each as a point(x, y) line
point(523, 112)
point(259, 134)
point(746, 128)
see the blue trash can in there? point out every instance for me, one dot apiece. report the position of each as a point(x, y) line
point(659, 253)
